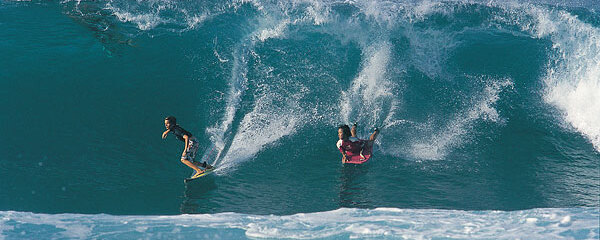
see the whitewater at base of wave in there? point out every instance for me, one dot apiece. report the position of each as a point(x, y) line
point(379, 223)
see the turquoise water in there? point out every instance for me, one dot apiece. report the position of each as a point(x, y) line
point(482, 107)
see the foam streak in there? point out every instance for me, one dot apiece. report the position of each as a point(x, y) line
point(571, 223)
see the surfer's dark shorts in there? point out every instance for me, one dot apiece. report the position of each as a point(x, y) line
point(190, 154)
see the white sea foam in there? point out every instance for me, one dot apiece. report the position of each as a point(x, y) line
point(264, 125)
point(273, 32)
point(195, 21)
point(572, 79)
point(216, 53)
point(363, 101)
point(143, 21)
point(318, 12)
point(430, 49)
point(237, 86)
point(147, 15)
point(559, 223)
point(437, 146)
point(573, 75)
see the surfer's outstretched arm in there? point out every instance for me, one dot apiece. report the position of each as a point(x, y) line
point(353, 130)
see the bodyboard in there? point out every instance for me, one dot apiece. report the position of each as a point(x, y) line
point(357, 159)
point(210, 155)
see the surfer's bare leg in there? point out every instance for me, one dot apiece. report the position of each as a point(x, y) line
point(192, 165)
point(204, 165)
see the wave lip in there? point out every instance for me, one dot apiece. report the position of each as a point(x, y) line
point(573, 84)
point(572, 78)
point(542, 223)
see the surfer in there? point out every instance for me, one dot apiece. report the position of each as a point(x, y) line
point(349, 144)
point(191, 145)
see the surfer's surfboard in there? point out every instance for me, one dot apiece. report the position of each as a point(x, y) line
point(206, 172)
point(211, 154)
point(357, 159)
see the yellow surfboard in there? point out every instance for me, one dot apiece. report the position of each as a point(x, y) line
point(206, 172)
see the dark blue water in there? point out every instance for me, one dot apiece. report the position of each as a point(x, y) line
point(491, 106)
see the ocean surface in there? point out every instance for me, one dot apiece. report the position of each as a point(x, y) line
point(489, 114)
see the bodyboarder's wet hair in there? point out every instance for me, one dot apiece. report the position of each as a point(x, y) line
point(345, 130)
point(171, 120)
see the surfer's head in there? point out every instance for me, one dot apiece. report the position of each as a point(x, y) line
point(170, 121)
point(343, 131)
